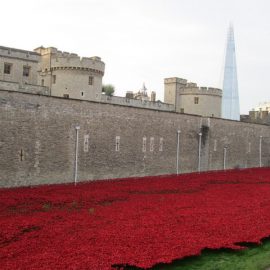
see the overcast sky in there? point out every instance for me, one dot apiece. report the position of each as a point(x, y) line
point(149, 40)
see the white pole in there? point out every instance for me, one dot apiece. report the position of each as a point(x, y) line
point(260, 151)
point(224, 158)
point(76, 154)
point(199, 154)
point(177, 152)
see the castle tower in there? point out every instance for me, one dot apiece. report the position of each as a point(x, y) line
point(153, 96)
point(189, 98)
point(70, 76)
point(230, 99)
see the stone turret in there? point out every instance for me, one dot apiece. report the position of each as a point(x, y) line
point(153, 96)
point(70, 76)
point(260, 114)
point(187, 97)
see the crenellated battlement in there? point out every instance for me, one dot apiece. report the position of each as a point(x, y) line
point(18, 54)
point(193, 89)
point(188, 97)
point(189, 88)
point(66, 60)
point(175, 80)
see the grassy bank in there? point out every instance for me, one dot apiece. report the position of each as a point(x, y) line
point(255, 257)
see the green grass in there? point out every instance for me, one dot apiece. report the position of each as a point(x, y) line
point(255, 257)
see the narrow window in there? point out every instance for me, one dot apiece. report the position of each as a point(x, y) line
point(117, 143)
point(86, 143)
point(54, 79)
point(160, 144)
point(21, 155)
point(91, 80)
point(151, 144)
point(249, 147)
point(26, 71)
point(215, 145)
point(196, 100)
point(42, 82)
point(7, 68)
point(82, 94)
point(144, 144)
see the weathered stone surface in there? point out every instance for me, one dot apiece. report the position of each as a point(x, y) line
point(37, 141)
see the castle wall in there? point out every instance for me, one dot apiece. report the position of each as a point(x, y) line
point(137, 103)
point(37, 141)
point(18, 59)
point(24, 88)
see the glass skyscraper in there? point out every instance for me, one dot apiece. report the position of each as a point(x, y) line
point(230, 98)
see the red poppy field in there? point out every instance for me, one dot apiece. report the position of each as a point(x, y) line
point(140, 222)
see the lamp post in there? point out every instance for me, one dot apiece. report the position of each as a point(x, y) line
point(177, 152)
point(224, 157)
point(76, 154)
point(260, 149)
point(199, 154)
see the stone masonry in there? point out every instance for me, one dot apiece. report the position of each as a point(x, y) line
point(37, 141)
point(69, 75)
point(188, 98)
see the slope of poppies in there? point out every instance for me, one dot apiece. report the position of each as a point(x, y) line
point(140, 222)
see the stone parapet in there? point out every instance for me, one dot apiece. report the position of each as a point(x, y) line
point(175, 80)
point(79, 68)
point(137, 103)
point(26, 88)
point(19, 54)
point(201, 91)
point(66, 60)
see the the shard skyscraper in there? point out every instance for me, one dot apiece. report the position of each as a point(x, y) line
point(230, 98)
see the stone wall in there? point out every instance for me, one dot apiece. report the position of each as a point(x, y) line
point(18, 60)
point(25, 88)
point(155, 105)
point(37, 141)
